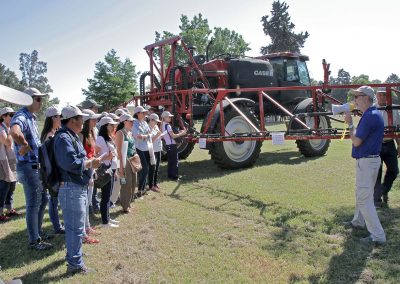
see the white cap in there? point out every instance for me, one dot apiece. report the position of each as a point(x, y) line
point(113, 116)
point(71, 111)
point(166, 114)
point(140, 109)
point(52, 111)
point(5, 110)
point(154, 117)
point(33, 92)
point(91, 114)
point(106, 120)
point(381, 90)
point(119, 112)
point(365, 90)
point(125, 117)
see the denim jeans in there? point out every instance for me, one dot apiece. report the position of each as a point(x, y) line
point(36, 199)
point(173, 164)
point(6, 195)
point(145, 161)
point(73, 198)
point(105, 202)
point(53, 214)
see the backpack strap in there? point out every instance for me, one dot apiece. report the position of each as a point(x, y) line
point(168, 132)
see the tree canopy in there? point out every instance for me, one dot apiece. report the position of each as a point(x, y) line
point(197, 32)
point(114, 81)
point(280, 29)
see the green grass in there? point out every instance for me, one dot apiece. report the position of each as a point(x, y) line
point(278, 222)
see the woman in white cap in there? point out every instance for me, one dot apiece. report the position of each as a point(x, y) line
point(88, 139)
point(8, 175)
point(106, 144)
point(157, 147)
point(141, 133)
point(51, 124)
point(127, 176)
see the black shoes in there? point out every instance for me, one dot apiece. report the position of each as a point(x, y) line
point(79, 270)
point(369, 241)
point(350, 225)
point(40, 245)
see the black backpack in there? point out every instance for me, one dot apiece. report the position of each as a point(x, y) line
point(48, 171)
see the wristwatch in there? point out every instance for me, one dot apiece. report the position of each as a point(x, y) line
point(351, 126)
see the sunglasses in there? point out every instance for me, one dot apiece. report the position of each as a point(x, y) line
point(37, 99)
point(356, 96)
point(9, 114)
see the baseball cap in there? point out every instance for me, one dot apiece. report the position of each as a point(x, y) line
point(140, 109)
point(106, 120)
point(91, 114)
point(119, 112)
point(71, 111)
point(154, 117)
point(5, 110)
point(166, 114)
point(52, 111)
point(113, 116)
point(126, 117)
point(89, 104)
point(381, 90)
point(33, 92)
point(365, 90)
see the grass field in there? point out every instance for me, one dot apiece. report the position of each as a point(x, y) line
point(278, 222)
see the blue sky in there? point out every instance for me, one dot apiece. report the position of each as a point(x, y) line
point(71, 36)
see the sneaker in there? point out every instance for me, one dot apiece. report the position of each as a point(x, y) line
point(155, 189)
point(4, 218)
point(40, 245)
point(60, 232)
point(110, 225)
point(90, 241)
point(112, 221)
point(92, 232)
point(378, 204)
point(79, 270)
point(139, 194)
point(127, 211)
point(350, 225)
point(13, 212)
point(369, 241)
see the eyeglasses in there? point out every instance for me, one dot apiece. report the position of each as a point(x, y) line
point(37, 99)
point(10, 114)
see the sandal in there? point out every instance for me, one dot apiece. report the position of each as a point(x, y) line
point(90, 241)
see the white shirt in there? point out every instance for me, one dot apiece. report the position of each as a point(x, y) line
point(157, 144)
point(395, 112)
point(105, 148)
point(167, 137)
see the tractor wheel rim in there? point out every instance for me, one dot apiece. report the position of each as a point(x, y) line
point(242, 150)
point(317, 144)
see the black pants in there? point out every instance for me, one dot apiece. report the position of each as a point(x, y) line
point(153, 171)
point(389, 157)
point(105, 202)
point(172, 152)
point(145, 161)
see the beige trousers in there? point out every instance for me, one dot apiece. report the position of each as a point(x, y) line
point(128, 190)
point(365, 212)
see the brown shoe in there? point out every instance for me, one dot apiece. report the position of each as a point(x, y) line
point(155, 189)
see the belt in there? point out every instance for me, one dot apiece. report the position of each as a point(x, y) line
point(370, 156)
point(388, 141)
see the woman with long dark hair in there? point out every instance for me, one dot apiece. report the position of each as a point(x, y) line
point(8, 164)
point(88, 138)
point(107, 147)
point(51, 124)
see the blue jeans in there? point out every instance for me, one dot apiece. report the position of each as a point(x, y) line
point(36, 199)
point(53, 214)
point(73, 198)
point(145, 161)
point(6, 195)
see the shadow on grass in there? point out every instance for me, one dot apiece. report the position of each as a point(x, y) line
point(37, 276)
point(15, 252)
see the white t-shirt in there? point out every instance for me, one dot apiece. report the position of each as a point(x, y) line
point(167, 137)
point(157, 144)
point(105, 148)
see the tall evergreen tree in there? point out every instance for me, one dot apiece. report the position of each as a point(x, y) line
point(281, 31)
point(114, 81)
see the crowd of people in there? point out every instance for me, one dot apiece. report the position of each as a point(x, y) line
point(115, 153)
point(119, 155)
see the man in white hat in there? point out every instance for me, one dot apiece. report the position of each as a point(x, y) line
point(388, 154)
point(24, 131)
point(75, 172)
point(367, 142)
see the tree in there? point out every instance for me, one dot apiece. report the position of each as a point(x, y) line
point(343, 78)
point(114, 81)
point(34, 75)
point(280, 29)
point(197, 33)
point(9, 78)
point(393, 78)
